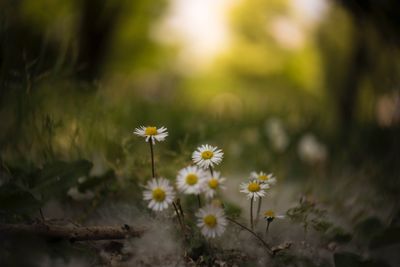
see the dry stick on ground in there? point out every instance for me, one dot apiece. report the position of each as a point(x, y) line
point(71, 233)
point(272, 251)
point(268, 248)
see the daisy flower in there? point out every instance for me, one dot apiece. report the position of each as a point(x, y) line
point(270, 215)
point(211, 221)
point(263, 177)
point(151, 132)
point(207, 155)
point(254, 189)
point(212, 183)
point(159, 193)
point(190, 180)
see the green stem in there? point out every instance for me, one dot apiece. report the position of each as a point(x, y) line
point(251, 213)
point(199, 200)
point(178, 203)
point(153, 172)
point(266, 229)
point(254, 234)
point(179, 218)
point(258, 210)
point(211, 171)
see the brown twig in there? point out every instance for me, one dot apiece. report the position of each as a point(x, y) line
point(254, 234)
point(84, 233)
point(178, 216)
point(281, 247)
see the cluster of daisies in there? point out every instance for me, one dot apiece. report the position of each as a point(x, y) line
point(256, 187)
point(199, 179)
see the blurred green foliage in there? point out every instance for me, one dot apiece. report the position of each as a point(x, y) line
point(76, 78)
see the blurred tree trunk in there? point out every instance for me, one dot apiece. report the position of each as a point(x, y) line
point(382, 17)
point(96, 27)
point(356, 70)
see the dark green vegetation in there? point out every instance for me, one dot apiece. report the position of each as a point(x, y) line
point(76, 78)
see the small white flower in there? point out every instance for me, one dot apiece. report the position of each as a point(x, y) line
point(270, 215)
point(151, 132)
point(312, 151)
point(190, 180)
point(207, 155)
point(160, 194)
point(213, 183)
point(263, 177)
point(211, 221)
point(75, 194)
point(254, 189)
point(277, 134)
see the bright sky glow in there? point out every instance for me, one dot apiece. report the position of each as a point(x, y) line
point(201, 26)
point(309, 11)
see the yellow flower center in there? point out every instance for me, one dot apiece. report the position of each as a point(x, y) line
point(213, 183)
point(207, 154)
point(150, 131)
point(269, 214)
point(210, 221)
point(191, 179)
point(253, 187)
point(263, 177)
point(158, 194)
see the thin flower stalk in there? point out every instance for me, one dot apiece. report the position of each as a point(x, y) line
point(179, 218)
point(199, 201)
point(258, 211)
point(251, 213)
point(153, 171)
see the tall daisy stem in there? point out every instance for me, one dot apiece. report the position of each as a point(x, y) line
point(254, 234)
point(199, 200)
point(179, 217)
point(153, 172)
point(251, 213)
point(266, 229)
point(178, 203)
point(211, 171)
point(258, 211)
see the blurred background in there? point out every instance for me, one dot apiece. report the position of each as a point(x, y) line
point(307, 89)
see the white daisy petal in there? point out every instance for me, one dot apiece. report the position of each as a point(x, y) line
point(152, 133)
point(263, 177)
point(190, 180)
point(270, 215)
point(211, 221)
point(206, 156)
point(254, 189)
point(160, 194)
point(212, 184)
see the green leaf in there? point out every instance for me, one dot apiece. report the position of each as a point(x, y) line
point(16, 200)
point(339, 235)
point(57, 177)
point(387, 237)
point(348, 259)
point(232, 210)
point(95, 181)
point(369, 227)
point(321, 225)
point(114, 153)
